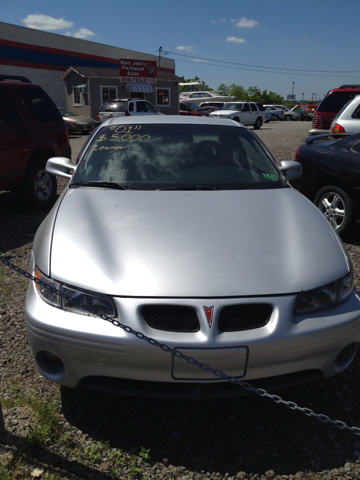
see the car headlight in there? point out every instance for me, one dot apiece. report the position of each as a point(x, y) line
point(76, 300)
point(325, 296)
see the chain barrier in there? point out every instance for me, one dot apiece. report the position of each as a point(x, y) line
point(245, 385)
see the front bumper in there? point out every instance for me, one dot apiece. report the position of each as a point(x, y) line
point(91, 352)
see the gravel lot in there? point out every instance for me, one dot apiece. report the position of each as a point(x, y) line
point(104, 436)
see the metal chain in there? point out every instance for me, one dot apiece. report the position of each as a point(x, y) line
point(247, 386)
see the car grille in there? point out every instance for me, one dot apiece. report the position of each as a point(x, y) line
point(171, 318)
point(233, 318)
point(244, 317)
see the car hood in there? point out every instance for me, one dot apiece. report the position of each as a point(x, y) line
point(224, 112)
point(193, 244)
point(80, 118)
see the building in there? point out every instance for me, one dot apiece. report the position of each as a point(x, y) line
point(81, 81)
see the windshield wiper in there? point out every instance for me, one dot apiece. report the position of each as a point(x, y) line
point(195, 187)
point(116, 186)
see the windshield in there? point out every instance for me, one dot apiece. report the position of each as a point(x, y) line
point(232, 106)
point(194, 107)
point(168, 156)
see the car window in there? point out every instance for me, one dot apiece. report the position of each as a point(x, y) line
point(232, 106)
point(40, 104)
point(113, 107)
point(356, 113)
point(131, 106)
point(246, 108)
point(335, 101)
point(149, 108)
point(155, 156)
point(8, 113)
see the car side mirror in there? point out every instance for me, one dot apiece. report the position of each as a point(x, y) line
point(60, 166)
point(290, 169)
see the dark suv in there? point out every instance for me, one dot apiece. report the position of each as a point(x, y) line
point(31, 131)
point(330, 106)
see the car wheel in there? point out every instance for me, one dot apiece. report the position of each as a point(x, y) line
point(39, 187)
point(236, 119)
point(257, 124)
point(276, 117)
point(288, 118)
point(337, 207)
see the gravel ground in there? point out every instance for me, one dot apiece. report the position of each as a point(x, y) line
point(104, 436)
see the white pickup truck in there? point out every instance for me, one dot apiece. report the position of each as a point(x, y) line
point(247, 113)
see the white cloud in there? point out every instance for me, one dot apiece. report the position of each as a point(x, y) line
point(199, 60)
point(245, 23)
point(186, 49)
point(44, 22)
point(84, 33)
point(236, 40)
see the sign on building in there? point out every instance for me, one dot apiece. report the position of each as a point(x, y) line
point(137, 71)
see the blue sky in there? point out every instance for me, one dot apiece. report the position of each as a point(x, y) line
point(269, 44)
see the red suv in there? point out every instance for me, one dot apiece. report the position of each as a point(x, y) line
point(330, 106)
point(31, 131)
point(190, 108)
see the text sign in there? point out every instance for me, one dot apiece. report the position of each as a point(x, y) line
point(137, 71)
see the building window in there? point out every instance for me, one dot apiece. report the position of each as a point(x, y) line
point(163, 97)
point(106, 93)
point(77, 96)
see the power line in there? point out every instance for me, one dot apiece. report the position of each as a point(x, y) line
point(259, 68)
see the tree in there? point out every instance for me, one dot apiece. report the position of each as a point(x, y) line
point(253, 94)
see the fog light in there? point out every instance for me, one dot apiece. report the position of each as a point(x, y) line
point(346, 356)
point(50, 365)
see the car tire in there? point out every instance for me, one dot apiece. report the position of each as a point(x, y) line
point(236, 119)
point(337, 207)
point(39, 187)
point(276, 117)
point(288, 118)
point(258, 123)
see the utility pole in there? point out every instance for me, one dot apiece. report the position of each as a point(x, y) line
point(160, 50)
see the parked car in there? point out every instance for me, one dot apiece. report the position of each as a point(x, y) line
point(270, 117)
point(210, 109)
point(348, 119)
point(291, 114)
point(279, 114)
point(127, 107)
point(77, 123)
point(190, 108)
point(31, 131)
point(330, 106)
point(212, 104)
point(306, 111)
point(331, 178)
point(167, 229)
point(247, 113)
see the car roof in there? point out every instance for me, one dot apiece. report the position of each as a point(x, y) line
point(170, 119)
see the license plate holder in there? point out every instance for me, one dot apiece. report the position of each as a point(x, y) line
point(231, 361)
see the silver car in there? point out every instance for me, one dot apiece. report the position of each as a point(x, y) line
point(185, 233)
point(348, 119)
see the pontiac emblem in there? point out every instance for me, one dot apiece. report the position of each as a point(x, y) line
point(209, 312)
